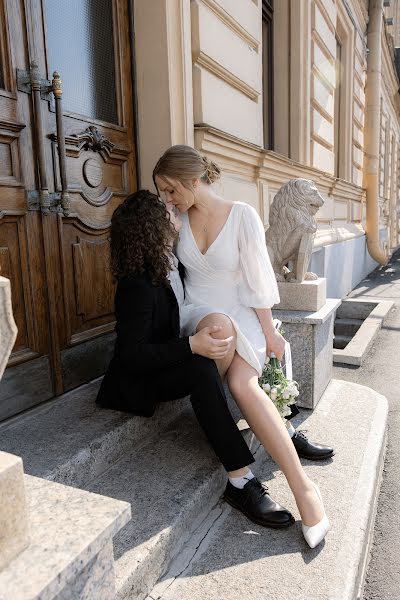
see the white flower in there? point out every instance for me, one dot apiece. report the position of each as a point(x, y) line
point(266, 387)
point(267, 359)
point(286, 394)
point(274, 393)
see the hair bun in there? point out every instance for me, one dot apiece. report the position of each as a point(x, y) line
point(213, 172)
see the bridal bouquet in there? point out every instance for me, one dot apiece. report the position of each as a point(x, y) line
point(281, 388)
point(283, 392)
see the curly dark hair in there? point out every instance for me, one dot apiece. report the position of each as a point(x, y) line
point(141, 238)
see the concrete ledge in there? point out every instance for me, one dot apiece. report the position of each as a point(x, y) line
point(14, 526)
point(234, 558)
point(356, 350)
point(71, 532)
point(308, 317)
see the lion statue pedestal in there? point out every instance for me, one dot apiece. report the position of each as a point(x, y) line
point(304, 310)
point(307, 295)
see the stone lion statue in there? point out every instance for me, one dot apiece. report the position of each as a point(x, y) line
point(291, 233)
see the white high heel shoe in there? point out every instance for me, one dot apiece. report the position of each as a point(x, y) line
point(316, 533)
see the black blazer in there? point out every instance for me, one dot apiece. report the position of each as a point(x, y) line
point(147, 341)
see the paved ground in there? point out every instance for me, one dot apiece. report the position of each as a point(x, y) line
point(229, 558)
point(381, 371)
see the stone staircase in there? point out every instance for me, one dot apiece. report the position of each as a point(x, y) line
point(164, 468)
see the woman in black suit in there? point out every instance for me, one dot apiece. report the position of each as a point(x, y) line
point(152, 363)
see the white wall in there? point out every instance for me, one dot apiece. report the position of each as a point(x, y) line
point(344, 265)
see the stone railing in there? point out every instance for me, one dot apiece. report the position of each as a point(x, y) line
point(8, 329)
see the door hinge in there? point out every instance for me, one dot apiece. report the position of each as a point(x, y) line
point(24, 84)
point(34, 203)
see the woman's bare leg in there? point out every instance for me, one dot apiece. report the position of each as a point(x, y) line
point(264, 420)
point(223, 364)
point(227, 330)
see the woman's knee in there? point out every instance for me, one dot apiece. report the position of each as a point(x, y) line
point(219, 320)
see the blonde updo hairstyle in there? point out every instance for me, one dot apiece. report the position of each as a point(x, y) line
point(185, 163)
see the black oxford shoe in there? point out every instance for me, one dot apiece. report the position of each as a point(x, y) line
point(255, 502)
point(310, 450)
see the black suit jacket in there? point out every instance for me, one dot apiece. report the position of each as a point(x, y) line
point(147, 342)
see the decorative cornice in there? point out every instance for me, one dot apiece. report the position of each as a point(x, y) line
point(266, 164)
point(205, 61)
point(232, 23)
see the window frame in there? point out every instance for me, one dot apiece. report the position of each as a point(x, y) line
point(268, 74)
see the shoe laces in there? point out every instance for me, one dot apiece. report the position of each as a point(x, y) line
point(302, 434)
point(262, 489)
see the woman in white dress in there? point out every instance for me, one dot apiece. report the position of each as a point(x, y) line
point(228, 271)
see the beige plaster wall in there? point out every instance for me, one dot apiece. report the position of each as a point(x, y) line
point(226, 52)
point(208, 72)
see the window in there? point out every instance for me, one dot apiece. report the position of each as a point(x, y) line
point(268, 75)
point(338, 105)
point(81, 47)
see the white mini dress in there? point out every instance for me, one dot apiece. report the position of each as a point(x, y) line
point(233, 277)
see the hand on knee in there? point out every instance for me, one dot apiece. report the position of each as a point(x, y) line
point(220, 321)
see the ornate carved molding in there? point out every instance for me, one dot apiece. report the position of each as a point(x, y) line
point(92, 139)
point(100, 200)
point(84, 224)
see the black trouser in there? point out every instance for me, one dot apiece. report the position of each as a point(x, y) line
point(199, 378)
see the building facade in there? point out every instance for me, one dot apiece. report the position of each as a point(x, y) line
point(270, 90)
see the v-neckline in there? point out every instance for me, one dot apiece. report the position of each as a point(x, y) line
point(218, 236)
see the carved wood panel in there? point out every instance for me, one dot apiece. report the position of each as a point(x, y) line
point(9, 159)
point(87, 281)
point(5, 161)
point(93, 283)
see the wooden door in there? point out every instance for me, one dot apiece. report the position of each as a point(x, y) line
point(57, 256)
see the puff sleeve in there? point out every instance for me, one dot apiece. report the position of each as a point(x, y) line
point(258, 287)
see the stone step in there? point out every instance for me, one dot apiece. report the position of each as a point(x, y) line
point(341, 341)
point(72, 441)
point(229, 557)
point(171, 482)
point(347, 327)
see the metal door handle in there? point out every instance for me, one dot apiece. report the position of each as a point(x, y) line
point(57, 91)
point(36, 86)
